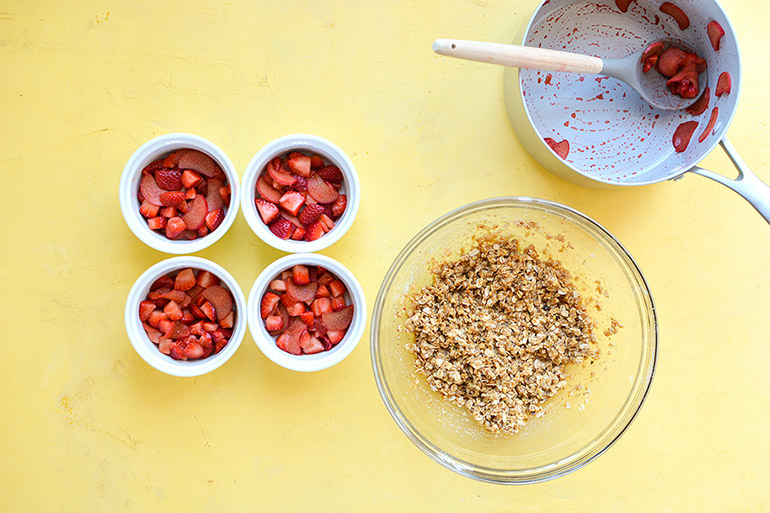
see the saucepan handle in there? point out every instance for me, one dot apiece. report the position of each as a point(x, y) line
point(753, 190)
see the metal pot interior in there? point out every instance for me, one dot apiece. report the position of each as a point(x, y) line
point(615, 136)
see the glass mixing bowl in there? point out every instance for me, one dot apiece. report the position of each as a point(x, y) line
point(601, 398)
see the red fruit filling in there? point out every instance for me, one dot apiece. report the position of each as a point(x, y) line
point(675, 12)
point(724, 84)
point(683, 134)
point(710, 125)
point(715, 33)
point(184, 195)
point(188, 314)
point(682, 68)
point(560, 148)
point(298, 196)
point(700, 106)
point(650, 56)
point(306, 309)
point(623, 4)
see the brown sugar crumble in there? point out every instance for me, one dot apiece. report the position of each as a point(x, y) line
point(495, 330)
point(614, 327)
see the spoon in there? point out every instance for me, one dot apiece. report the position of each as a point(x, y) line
point(651, 86)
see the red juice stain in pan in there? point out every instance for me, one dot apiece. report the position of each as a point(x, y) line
point(683, 134)
point(561, 148)
point(548, 79)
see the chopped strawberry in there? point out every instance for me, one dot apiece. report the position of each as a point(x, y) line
point(337, 287)
point(153, 334)
point(228, 321)
point(224, 193)
point(220, 299)
point(286, 299)
point(145, 309)
point(174, 227)
point(268, 211)
point(300, 275)
point(282, 228)
point(203, 231)
point(331, 174)
point(314, 232)
point(162, 282)
point(208, 310)
point(269, 300)
point(187, 316)
point(171, 199)
point(307, 317)
point(277, 286)
point(326, 221)
point(325, 277)
point(184, 207)
point(190, 194)
point(335, 336)
point(320, 306)
point(338, 303)
point(323, 291)
point(190, 178)
point(153, 166)
point(157, 223)
point(309, 214)
point(215, 218)
point(169, 179)
point(164, 345)
point(273, 323)
point(168, 212)
point(148, 210)
point(299, 234)
point(299, 164)
point(177, 331)
point(185, 280)
point(339, 205)
point(172, 311)
point(300, 183)
point(165, 325)
point(292, 201)
point(172, 159)
point(296, 309)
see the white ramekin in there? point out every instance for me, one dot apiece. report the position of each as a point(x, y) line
point(148, 351)
point(306, 362)
point(129, 185)
point(351, 187)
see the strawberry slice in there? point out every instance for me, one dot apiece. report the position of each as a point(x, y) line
point(715, 33)
point(331, 174)
point(215, 218)
point(157, 223)
point(683, 134)
point(277, 286)
point(174, 228)
point(299, 234)
point(314, 232)
point(281, 177)
point(724, 84)
point(168, 212)
point(323, 291)
point(561, 148)
point(296, 309)
point(267, 191)
point(150, 190)
point(339, 206)
point(710, 125)
point(190, 178)
point(169, 179)
point(304, 293)
point(300, 183)
point(269, 300)
point(193, 351)
point(320, 306)
point(623, 4)
point(300, 274)
point(172, 159)
point(289, 339)
point(310, 344)
point(228, 321)
point(337, 288)
point(299, 164)
point(675, 12)
point(196, 216)
point(267, 211)
point(310, 213)
point(326, 221)
point(206, 279)
point(171, 199)
point(177, 331)
point(145, 309)
point(321, 190)
point(164, 345)
point(292, 201)
point(316, 162)
point(220, 298)
point(214, 199)
point(185, 280)
point(282, 228)
point(148, 210)
point(274, 324)
point(700, 106)
point(172, 311)
point(153, 166)
point(209, 311)
point(162, 282)
point(335, 336)
point(198, 162)
point(338, 320)
point(153, 334)
point(308, 318)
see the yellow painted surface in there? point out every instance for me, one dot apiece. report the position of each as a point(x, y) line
point(88, 426)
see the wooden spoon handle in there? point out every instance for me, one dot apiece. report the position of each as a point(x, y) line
point(518, 56)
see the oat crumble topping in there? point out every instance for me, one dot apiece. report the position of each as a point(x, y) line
point(495, 330)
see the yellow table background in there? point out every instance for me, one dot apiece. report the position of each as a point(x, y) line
point(88, 426)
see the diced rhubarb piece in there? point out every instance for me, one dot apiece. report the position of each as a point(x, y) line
point(267, 191)
point(683, 134)
point(220, 341)
point(700, 106)
point(209, 326)
point(310, 213)
point(197, 312)
point(269, 301)
point(300, 274)
point(197, 329)
point(326, 221)
point(157, 223)
point(273, 323)
point(335, 336)
point(299, 164)
point(224, 193)
point(281, 177)
point(320, 306)
point(184, 207)
point(337, 287)
point(561, 148)
point(304, 293)
point(185, 280)
point(675, 12)
point(172, 311)
point(267, 211)
point(202, 231)
point(208, 310)
point(282, 228)
point(331, 174)
point(289, 339)
point(190, 178)
point(339, 205)
point(315, 231)
point(671, 60)
point(307, 317)
point(198, 162)
point(339, 320)
point(715, 33)
point(220, 298)
point(228, 321)
point(196, 216)
point(177, 331)
point(148, 210)
point(292, 201)
point(150, 190)
point(206, 279)
point(710, 125)
point(214, 199)
point(215, 218)
point(169, 179)
point(145, 309)
point(177, 296)
point(623, 4)
point(284, 313)
point(174, 228)
point(321, 190)
point(724, 84)
point(277, 286)
point(296, 309)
